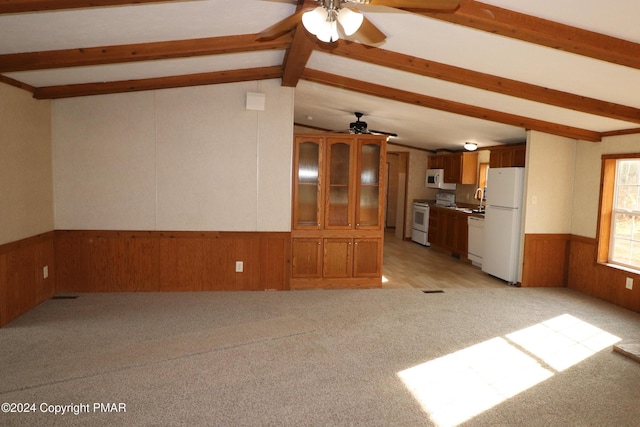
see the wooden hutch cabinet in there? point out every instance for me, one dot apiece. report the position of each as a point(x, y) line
point(337, 210)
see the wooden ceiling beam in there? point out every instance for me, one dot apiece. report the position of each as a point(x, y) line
point(449, 106)
point(137, 52)
point(86, 89)
point(298, 54)
point(540, 31)
point(484, 81)
point(21, 6)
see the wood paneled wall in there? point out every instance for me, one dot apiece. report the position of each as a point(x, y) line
point(546, 257)
point(599, 280)
point(568, 260)
point(22, 283)
point(126, 261)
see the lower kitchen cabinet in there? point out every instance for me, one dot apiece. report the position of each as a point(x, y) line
point(448, 230)
point(436, 237)
point(457, 233)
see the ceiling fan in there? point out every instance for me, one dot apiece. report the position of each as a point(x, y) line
point(361, 127)
point(330, 20)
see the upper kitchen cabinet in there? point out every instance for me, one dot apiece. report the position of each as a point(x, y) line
point(508, 156)
point(461, 168)
point(435, 162)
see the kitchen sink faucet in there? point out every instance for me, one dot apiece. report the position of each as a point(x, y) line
point(479, 195)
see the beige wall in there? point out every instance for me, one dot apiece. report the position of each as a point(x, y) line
point(26, 186)
point(588, 166)
point(177, 159)
point(551, 165)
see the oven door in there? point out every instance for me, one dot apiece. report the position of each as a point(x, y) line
point(420, 218)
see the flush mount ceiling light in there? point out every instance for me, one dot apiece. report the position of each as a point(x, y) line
point(470, 146)
point(325, 21)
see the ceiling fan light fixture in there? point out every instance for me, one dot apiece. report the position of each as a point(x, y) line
point(323, 22)
point(328, 32)
point(350, 20)
point(470, 146)
point(314, 19)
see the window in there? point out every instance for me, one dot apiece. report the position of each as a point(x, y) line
point(619, 230)
point(625, 224)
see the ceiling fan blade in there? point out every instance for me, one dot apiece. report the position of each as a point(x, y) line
point(369, 34)
point(381, 132)
point(435, 5)
point(281, 27)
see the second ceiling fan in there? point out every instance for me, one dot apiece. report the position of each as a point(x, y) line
point(330, 20)
point(360, 127)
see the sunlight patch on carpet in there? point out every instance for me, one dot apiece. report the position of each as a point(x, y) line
point(455, 388)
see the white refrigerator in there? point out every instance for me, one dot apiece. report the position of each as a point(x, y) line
point(502, 223)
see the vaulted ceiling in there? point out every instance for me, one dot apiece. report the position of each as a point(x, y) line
point(485, 72)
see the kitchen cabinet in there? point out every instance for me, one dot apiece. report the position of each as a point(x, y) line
point(435, 162)
point(456, 233)
point(508, 156)
point(448, 230)
point(436, 238)
point(337, 210)
point(461, 168)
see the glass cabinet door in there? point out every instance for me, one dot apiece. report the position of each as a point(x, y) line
point(307, 183)
point(339, 196)
point(368, 210)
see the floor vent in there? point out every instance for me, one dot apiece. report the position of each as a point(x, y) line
point(64, 297)
point(436, 291)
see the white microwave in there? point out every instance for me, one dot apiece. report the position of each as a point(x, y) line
point(435, 179)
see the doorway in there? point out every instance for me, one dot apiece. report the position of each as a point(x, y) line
point(396, 195)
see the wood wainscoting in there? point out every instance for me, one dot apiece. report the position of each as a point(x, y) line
point(22, 282)
point(600, 280)
point(546, 260)
point(162, 261)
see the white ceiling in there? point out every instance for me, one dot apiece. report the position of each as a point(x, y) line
point(329, 107)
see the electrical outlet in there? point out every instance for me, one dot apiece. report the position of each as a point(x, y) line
point(239, 266)
point(45, 271)
point(629, 283)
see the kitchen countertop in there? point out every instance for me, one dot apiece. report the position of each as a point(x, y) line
point(465, 208)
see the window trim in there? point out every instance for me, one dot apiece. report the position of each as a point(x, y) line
point(607, 194)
